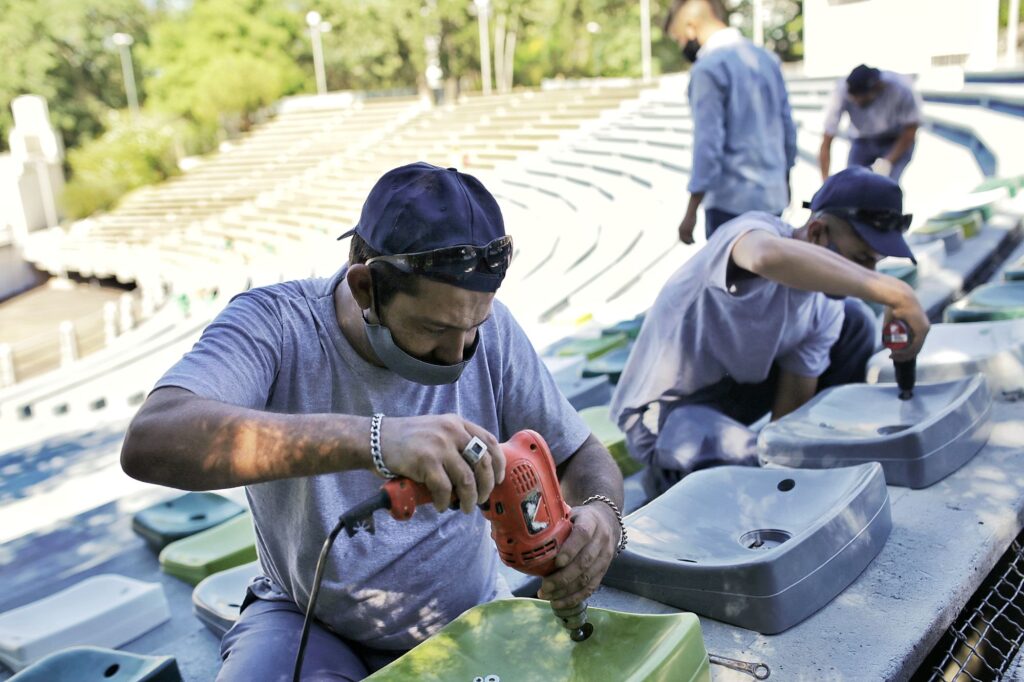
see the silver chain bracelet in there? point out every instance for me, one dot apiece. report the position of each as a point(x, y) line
point(623, 539)
point(375, 453)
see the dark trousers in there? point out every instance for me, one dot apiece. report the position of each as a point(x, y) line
point(708, 428)
point(865, 152)
point(713, 219)
point(263, 642)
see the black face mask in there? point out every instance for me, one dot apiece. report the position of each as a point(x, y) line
point(690, 50)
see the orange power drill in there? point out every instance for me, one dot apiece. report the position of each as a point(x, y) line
point(529, 518)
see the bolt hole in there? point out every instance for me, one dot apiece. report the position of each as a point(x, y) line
point(889, 430)
point(235, 606)
point(111, 671)
point(197, 517)
point(786, 484)
point(533, 446)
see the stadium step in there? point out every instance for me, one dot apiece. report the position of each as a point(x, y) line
point(93, 664)
point(230, 544)
point(105, 610)
point(181, 517)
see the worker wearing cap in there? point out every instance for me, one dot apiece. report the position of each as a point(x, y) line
point(311, 392)
point(744, 140)
point(755, 322)
point(884, 113)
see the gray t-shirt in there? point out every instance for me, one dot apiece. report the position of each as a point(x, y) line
point(896, 107)
point(704, 326)
point(280, 349)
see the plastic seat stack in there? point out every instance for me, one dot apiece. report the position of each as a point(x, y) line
point(759, 548)
point(230, 544)
point(183, 516)
point(93, 664)
point(217, 599)
point(104, 610)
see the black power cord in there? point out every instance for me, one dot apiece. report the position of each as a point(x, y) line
point(362, 512)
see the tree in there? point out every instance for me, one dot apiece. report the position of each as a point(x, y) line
point(59, 49)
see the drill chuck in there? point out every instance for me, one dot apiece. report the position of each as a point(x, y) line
point(575, 621)
point(906, 372)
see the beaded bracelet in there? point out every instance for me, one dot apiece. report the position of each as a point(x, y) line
point(618, 515)
point(375, 453)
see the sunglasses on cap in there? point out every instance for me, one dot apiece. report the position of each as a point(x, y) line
point(881, 220)
point(455, 261)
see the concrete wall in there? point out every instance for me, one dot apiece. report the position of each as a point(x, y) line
point(909, 36)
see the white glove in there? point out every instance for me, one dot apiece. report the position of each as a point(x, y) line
point(882, 166)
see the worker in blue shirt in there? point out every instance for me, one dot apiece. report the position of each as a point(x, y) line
point(884, 113)
point(744, 140)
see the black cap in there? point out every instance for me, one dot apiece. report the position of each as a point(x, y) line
point(859, 189)
point(862, 79)
point(421, 207)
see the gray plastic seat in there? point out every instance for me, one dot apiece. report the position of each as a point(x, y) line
point(89, 664)
point(759, 548)
point(217, 600)
point(954, 351)
point(918, 441)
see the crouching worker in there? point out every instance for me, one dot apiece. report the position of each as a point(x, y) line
point(405, 342)
point(756, 322)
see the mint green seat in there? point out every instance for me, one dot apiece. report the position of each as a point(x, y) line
point(217, 600)
point(1011, 184)
point(610, 364)
point(1002, 301)
point(519, 640)
point(93, 664)
point(230, 544)
point(588, 348)
point(183, 516)
point(601, 425)
point(969, 221)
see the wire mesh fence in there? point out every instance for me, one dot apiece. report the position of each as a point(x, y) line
point(982, 642)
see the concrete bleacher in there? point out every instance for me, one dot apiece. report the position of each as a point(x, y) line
point(592, 185)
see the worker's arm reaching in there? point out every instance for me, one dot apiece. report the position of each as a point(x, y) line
point(825, 156)
point(184, 441)
point(590, 548)
point(800, 265)
point(689, 221)
point(903, 143)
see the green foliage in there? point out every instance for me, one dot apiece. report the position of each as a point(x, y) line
point(222, 60)
point(58, 49)
point(1004, 13)
point(129, 155)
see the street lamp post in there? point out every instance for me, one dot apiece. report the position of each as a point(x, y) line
point(123, 41)
point(482, 9)
point(317, 27)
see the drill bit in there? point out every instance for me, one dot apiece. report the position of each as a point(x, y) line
point(575, 621)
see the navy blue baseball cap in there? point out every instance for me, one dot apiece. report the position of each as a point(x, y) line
point(872, 204)
point(438, 217)
point(862, 79)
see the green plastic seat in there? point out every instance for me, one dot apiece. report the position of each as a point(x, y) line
point(610, 364)
point(969, 221)
point(630, 328)
point(230, 544)
point(519, 640)
point(1002, 301)
point(588, 348)
point(163, 523)
point(608, 433)
point(1011, 184)
point(93, 664)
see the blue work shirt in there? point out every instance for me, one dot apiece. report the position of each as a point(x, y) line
point(744, 140)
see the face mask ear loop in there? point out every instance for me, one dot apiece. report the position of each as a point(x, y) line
point(375, 302)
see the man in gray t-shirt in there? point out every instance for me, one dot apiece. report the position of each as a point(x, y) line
point(884, 113)
point(280, 395)
point(753, 324)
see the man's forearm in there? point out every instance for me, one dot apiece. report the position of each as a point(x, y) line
point(825, 156)
point(591, 471)
point(694, 203)
point(809, 267)
point(183, 441)
point(903, 143)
